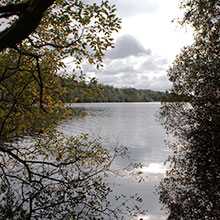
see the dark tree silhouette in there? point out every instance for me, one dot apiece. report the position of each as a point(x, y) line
point(191, 189)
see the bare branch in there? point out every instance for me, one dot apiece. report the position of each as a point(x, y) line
point(20, 160)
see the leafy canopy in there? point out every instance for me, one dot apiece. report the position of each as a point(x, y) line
point(29, 66)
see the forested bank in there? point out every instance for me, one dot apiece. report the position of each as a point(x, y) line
point(111, 94)
point(92, 92)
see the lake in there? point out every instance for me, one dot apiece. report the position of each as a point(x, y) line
point(132, 125)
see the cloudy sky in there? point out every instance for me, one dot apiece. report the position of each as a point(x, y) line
point(145, 46)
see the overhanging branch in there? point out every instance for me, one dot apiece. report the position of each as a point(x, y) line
point(30, 15)
point(14, 9)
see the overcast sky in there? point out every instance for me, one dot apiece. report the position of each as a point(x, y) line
point(145, 46)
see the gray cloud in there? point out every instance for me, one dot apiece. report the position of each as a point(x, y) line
point(131, 65)
point(120, 80)
point(130, 7)
point(160, 83)
point(154, 64)
point(137, 81)
point(126, 46)
point(118, 66)
point(113, 68)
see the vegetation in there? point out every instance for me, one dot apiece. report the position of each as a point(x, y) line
point(191, 188)
point(29, 82)
point(111, 94)
point(56, 177)
point(92, 92)
point(43, 174)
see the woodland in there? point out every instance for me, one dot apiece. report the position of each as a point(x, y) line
point(46, 175)
point(191, 188)
point(106, 93)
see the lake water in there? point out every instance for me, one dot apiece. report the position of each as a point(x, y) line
point(133, 125)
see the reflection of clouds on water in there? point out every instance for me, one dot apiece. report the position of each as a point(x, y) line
point(151, 217)
point(151, 173)
point(132, 125)
point(154, 168)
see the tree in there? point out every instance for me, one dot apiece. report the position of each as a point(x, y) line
point(29, 16)
point(191, 189)
point(65, 178)
point(53, 177)
point(56, 30)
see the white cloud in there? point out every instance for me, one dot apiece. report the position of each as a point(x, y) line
point(126, 46)
point(130, 64)
point(154, 64)
point(128, 8)
point(145, 46)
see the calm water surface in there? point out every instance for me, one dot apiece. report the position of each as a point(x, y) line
point(133, 125)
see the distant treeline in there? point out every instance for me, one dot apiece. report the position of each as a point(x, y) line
point(93, 92)
point(111, 94)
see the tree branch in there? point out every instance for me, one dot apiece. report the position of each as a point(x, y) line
point(30, 15)
point(20, 160)
point(14, 9)
point(56, 46)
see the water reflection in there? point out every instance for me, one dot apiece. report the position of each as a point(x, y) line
point(154, 168)
point(132, 125)
point(191, 189)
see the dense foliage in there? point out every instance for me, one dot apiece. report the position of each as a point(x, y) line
point(111, 94)
point(93, 92)
point(67, 28)
point(191, 189)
